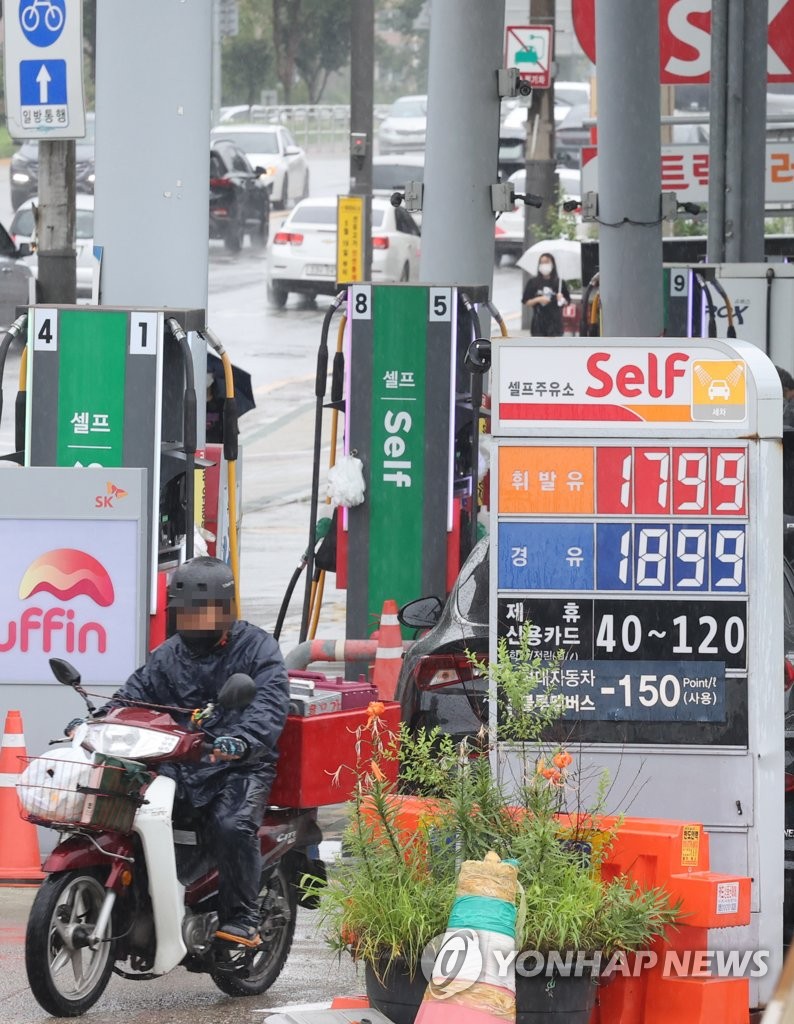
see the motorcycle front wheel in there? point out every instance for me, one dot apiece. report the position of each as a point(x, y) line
point(278, 904)
point(66, 976)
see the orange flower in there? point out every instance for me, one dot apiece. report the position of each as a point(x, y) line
point(562, 760)
point(374, 710)
point(554, 775)
point(375, 769)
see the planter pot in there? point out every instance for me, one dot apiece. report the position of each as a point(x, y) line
point(398, 995)
point(568, 1001)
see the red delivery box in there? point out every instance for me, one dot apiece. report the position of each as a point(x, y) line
point(313, 750)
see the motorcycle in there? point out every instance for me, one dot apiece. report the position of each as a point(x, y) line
point(131, 881)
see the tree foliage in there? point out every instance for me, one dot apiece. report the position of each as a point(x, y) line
point(311, 39)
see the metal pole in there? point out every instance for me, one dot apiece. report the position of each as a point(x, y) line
point(152, 85)
point(466, 49)
point(629, 167)
point(734, 132)
point(540, 156)
point(753, 148)
point(57, 281)
point(717, 128)
point(362, 70)
point(216, 61)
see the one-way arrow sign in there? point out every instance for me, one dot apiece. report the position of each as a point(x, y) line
point(44, 69)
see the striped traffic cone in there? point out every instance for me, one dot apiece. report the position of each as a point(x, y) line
point(20, 859)
point(389, 655)
point(480, 937)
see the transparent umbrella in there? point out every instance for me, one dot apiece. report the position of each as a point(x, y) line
point(567, 255)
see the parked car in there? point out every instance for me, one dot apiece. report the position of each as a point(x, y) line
point(302, 254)
point(17, 283)
point(571, 134)
point(405, 126)
point(24, 169)
point(271, 146)
point(509, 228)
point(239, 199)
point(23, 230)
point(566, 95)
point(390, 173)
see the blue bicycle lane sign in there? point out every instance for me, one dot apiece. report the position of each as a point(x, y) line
point(43, 69)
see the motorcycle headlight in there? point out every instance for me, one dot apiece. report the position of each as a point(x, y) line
point(128, 741)
point(20, 178)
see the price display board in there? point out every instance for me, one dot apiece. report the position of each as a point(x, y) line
point(636, 534)
point(630, 554)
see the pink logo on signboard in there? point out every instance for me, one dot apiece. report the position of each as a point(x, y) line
point(67, 573)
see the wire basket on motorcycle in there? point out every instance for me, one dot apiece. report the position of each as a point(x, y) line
point(71, 788)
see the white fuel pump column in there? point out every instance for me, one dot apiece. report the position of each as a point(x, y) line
point(637, 524)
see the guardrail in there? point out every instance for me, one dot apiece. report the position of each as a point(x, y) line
point(314, 126)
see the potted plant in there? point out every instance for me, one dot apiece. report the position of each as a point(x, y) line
point(390, 898)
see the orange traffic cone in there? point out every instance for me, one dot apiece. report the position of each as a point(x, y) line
point(389, 655)
point(20, 860)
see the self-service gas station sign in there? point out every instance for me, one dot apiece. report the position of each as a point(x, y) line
point(400, 424)
point(637, 528)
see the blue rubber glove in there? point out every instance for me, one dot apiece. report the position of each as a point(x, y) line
point(70, 728)
point(228, 748)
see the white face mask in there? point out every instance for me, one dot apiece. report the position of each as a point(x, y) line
point(545, 269)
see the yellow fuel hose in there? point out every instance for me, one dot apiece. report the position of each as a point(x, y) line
point(231, 478)
point(231, 469)
point(497, 317)
point(319, 588)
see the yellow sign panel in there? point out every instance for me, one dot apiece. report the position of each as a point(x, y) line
point(349, 239)
point(719, 389)
point(690, 845)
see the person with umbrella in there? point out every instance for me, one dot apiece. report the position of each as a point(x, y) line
point(546, 294)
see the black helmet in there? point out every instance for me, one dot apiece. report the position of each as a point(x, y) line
point(201, 581)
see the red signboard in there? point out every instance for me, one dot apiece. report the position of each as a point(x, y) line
point(685, 40)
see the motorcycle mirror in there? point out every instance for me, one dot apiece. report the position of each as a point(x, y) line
point(65, 672)
point(422, 613)
point(237, 692)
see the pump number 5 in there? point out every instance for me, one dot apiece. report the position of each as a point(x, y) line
point(440, 305)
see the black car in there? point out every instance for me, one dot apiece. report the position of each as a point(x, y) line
point(239, 199)
point(24, 170)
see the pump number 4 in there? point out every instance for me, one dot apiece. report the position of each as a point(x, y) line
point(45, 330)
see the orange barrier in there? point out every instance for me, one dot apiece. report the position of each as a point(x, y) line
point(679, 986)
point(20, 859)
point(389, 655)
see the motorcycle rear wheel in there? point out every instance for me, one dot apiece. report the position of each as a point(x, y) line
point(278, 903)
point(66, 980)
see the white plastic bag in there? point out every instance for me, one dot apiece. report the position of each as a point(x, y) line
point(47, 788)
point(346, 482)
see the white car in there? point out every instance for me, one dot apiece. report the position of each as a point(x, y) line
point(271, 146)
point(509, 227)
point(301, 256)
point(23, 229)
point(405, 126)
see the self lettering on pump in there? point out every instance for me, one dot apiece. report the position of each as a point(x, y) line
point(396, 469)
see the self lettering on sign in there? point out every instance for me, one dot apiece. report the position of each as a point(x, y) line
point(632, 380)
